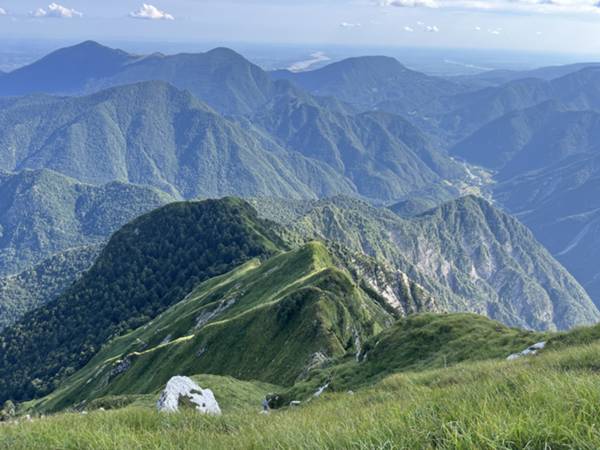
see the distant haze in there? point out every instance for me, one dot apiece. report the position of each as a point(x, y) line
point(540, 26)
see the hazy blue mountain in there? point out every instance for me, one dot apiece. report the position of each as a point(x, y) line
point(470, 255)
point(221, 77)
point(151, 133)
point(498, 77)
point(42, 283)
point(370, 80)
point(547, 163)
point(43, 212)
point(458, 116)
point(65, 71)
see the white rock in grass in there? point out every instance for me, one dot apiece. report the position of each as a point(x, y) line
point(321, 390)
point(183, 389)
point(529, 351)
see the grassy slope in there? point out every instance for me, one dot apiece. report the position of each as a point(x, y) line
point(550, 401)
point(260, 321)
point(418, 342)
point(231, 393)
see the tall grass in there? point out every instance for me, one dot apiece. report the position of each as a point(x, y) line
point(550, 401)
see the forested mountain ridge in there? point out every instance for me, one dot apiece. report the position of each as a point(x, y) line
point(43, 282)
point(152, 133)
point(271, 321)
point(147, 266)
point(43, 212)
point(383, 155)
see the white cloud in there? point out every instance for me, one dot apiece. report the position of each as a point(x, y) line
point(409, 29)
point(411, 3)
point(56, 11)
point(350, 25)
point(3, 12)
point(150, 12)
point(432, 29)
point(529, 6)
point(315, 58)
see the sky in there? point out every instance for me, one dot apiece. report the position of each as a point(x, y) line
point(571, 26)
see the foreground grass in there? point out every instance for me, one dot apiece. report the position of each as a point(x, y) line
point(550, 401)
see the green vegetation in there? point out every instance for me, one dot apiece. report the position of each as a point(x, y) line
point(383, 156)
point(549, 401)
point(149, 265)
point(270, 322)
point(42, 283)
point(374, 82)
point(43, 213)
point(231, 394)
point(416, 343)
point(564, 215)
point(153, 134)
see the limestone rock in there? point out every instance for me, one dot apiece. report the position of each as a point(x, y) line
point(182, 390)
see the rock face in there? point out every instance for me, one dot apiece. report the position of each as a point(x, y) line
point(180, 390)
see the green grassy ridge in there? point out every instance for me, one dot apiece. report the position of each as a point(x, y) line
point(416, 343)
point(264, 321)
point(549, 401)
point(147, 266)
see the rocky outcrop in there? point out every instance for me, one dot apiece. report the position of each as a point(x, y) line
point(182, 391)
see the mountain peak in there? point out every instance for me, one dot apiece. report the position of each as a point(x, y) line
point(65, 70)
point(224, 52)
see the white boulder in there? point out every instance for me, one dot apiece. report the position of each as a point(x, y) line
point(180, 389)
point(529, 351)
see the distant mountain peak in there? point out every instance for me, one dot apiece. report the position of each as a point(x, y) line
point(224, 51)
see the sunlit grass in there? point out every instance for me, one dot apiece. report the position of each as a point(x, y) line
point(550, 401)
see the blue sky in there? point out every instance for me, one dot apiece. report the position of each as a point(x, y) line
point(540, 25)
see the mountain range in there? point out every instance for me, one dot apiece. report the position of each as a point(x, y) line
point(546, 159)
point(159, 260)
point(470, 255)
point(369, 81)
point(222, 78)
point(153, 134)
point(194, 214)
